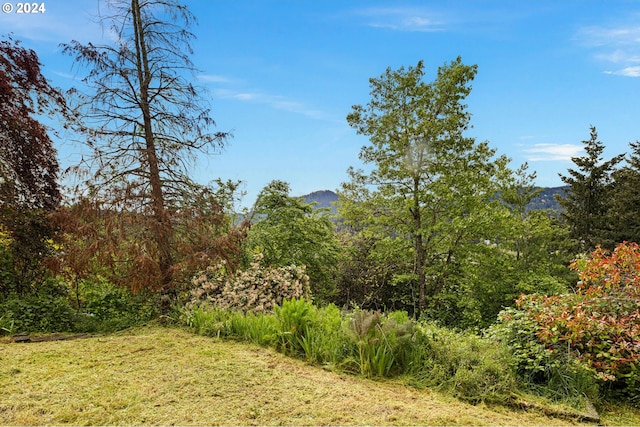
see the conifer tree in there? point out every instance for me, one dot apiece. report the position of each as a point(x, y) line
point(625, 199)
point(586, 201)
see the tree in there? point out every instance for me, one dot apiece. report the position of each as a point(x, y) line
point(287, 231)
point(586, 202)
point(145, 119)
point(625, 199)
point(28, 162)
point(524, 258)
point(103, 242)
point(430, 185)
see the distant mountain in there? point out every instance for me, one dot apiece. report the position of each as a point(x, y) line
point(323, 199)
point(544, 200)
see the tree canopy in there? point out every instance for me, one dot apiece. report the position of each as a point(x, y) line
point(28, 162)
point(430, 185)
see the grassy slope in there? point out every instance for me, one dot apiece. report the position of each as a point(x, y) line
point(156, 376)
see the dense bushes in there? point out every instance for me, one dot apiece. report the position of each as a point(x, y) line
point(592, 335)
point(93, 306)
point(45, 311)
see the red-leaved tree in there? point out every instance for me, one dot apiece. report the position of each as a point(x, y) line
point(28, 162)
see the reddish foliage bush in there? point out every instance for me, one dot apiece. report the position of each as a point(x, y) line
point(600, 323)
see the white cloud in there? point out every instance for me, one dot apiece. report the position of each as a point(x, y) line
point(627, 72)
point(617, 35)
point(274, 101)
point(401, 19)
point(615, 45)
point(213, 78)
point(619, 56)
point(552, 152)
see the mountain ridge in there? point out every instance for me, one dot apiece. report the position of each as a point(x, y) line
point(545, 200)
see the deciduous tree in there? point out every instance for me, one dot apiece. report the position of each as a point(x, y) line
point(429, 185)
point(28, 161)
point(289, 231)
point(145, 120)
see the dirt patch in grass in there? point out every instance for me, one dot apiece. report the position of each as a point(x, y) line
point(158, 376)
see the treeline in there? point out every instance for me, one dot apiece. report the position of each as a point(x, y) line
point(436, 228)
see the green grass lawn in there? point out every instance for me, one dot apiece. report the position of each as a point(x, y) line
point(162, 376)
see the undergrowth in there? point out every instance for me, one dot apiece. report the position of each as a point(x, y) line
point(370, 344)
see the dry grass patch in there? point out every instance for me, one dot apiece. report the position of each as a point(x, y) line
point(157, 376)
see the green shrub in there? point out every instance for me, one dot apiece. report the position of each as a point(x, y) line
point(466, 365)
point(540, 369)
point(42, 312)
point(106, 307)
point(588, 338)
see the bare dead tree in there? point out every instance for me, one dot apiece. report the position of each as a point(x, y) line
point(145, 121)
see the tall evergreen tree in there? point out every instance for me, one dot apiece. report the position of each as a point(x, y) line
point(625, 199)
point(586, 202)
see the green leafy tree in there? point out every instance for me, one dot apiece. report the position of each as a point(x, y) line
point(288, 231)
point(586, 203)
point(526, 257)
point(145, 121)
point(429, 186)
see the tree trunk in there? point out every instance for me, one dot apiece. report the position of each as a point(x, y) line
point(162, 228)
point(419, 248)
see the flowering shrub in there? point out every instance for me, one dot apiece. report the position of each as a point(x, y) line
point(599, 325)
point(257, 289)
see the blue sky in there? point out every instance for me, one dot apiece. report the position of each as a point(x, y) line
point(282, 75)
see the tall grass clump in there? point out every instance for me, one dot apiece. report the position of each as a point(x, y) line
point(205, 320)
point(381, 342)
point(324, 341)
point(294, 319)
point(252, 327)
point(470, 367)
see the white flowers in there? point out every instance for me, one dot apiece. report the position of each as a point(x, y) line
point(257, 289)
